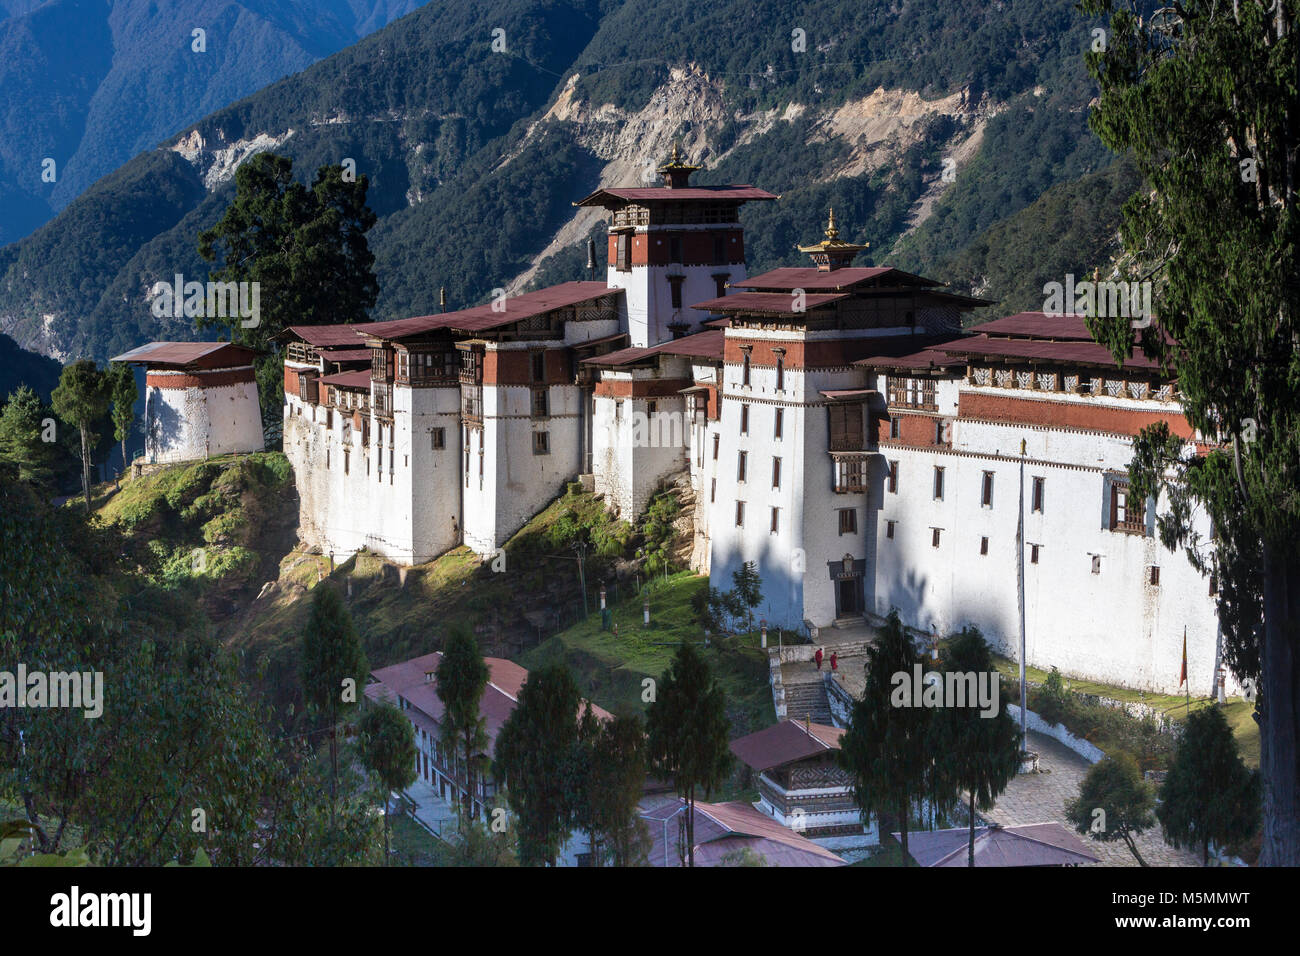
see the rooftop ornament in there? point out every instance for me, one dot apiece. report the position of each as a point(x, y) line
point(832, 252)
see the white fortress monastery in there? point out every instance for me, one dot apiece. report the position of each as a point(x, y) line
point(840, 429)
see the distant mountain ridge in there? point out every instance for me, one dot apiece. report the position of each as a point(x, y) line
point(88, 84)
point(475, 156)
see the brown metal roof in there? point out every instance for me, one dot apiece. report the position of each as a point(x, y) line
point(324, 336)
point(345, 355)
point(725, 828)
point(779, 303)
point(1034, 844)
point(700, 345)
point(188, 355)
point(784, 743)
point(408, 680)
point(1068, 352)
point(360, 380)
point(1037, 325)
point(813, 279)
point(482, 318)
point(622, 196)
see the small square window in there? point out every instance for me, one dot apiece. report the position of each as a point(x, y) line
point(740, 514)
point(848, 520)
point(779, 423)
point(438, 438)
point(1033, 554)
point(1038, 493)
point(1096, 564)
point(889, 529)
point(776, 472)
point(893, 477)
point(541, 446)
point(938, 432)
point(744, 419)
point(776, 513)
point(934, 537)
point(986, 493)
point(742, 462)
point(984, 545)
point(894, 427)
point(938, 483)
point(1154, 577)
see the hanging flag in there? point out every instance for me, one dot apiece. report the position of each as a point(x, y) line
point(1182, 677)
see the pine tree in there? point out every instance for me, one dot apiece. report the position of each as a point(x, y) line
point(333, 668)
point(614, 776)
point(388, 751)
point(536, 760)
point(748, 587)
point(305, 248)
point(886, 746)
point(1203, 95)
point(462, 678)
point(979, 753)
point(1114, 803)
point(81, 399)
point(123, 391)
point(1209, 795)
point(22, 441)
point(688, 731)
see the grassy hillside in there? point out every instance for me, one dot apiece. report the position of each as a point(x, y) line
point(611, 667)
point(212, 531)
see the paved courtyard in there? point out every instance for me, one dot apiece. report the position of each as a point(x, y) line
point(1041, 798)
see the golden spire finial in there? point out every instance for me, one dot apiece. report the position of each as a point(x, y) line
point(831, 232)
point(677, 152)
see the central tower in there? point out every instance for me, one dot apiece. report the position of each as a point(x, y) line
point(672, 245)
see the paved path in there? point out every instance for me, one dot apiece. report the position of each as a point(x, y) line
point(1041, 798)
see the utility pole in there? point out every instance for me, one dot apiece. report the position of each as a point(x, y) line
point(1020, 595)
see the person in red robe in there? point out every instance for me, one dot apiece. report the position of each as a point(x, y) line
point(818, 658)
point(834, 662)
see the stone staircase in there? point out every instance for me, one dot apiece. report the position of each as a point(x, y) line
point(798, 687)
point(805, 695)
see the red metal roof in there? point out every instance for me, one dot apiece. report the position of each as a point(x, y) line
point(780, 303)
point(622, 196)
point(1070, 352)
point(481, 318)
point(1037, 325)
point(348, 379)
point(785, 742)
point(188, 354)
point(1033, 844)
point(707, 344)
point(327, 335)
point(408, 680)
point(725, 828)
point(345, 355)
point(812, 279)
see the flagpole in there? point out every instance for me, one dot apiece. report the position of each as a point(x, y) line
point(1020, 595)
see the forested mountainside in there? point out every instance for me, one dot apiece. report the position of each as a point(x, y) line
point(86, 84)
point(925, 125)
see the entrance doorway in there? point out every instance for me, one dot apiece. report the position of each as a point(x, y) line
point(848, 603)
